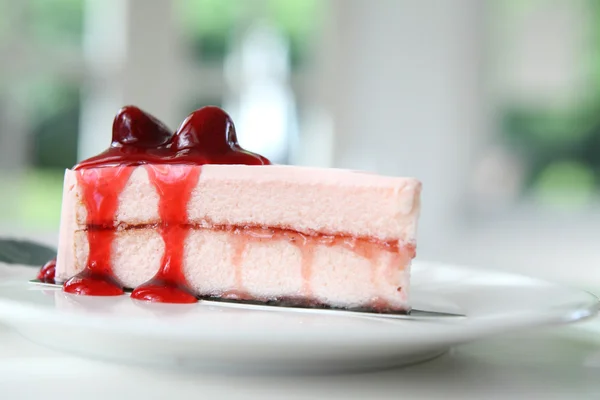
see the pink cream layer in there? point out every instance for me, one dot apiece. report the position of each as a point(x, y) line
point(302, 199)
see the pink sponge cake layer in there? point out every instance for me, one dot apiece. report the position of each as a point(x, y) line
point(331, 237)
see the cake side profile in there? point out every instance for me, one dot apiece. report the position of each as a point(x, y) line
point(259, 232)
point(192, 215)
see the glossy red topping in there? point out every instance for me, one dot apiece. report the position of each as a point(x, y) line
point(47, 272)
point(134, 128)
point(207, 136)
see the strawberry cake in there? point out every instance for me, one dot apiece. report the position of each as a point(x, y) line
point(188, 216)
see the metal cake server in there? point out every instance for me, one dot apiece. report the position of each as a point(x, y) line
point(414, 313)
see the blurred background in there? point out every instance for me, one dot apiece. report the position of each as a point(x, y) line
point(494, 105)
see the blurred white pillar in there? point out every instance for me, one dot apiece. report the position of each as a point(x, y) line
point(131, 48)
point(401, 79)
point(14, 149)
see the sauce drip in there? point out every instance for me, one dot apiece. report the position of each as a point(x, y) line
point(239, 243)
point(174, 184)
point(101, 189)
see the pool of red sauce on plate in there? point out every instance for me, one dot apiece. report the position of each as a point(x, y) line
point(207, 136)
point(47, 272)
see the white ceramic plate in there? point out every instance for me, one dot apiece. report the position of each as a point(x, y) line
point(259, 338)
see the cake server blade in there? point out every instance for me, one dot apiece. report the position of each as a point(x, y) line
point(414, 313)
point(25, 252)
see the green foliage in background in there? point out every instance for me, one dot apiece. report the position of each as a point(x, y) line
point(207, 24)
point(57, 21)
point(56, 109)
point(35, 198)
point(210, 25)
point(561, 146)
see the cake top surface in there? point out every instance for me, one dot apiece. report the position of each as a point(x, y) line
point(206, 136)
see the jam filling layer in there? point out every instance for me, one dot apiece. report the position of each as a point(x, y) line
point(268, 233)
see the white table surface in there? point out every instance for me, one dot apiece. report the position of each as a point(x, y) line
point(555, 363)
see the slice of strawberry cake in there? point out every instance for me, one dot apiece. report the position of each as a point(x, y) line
point(191, 215)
